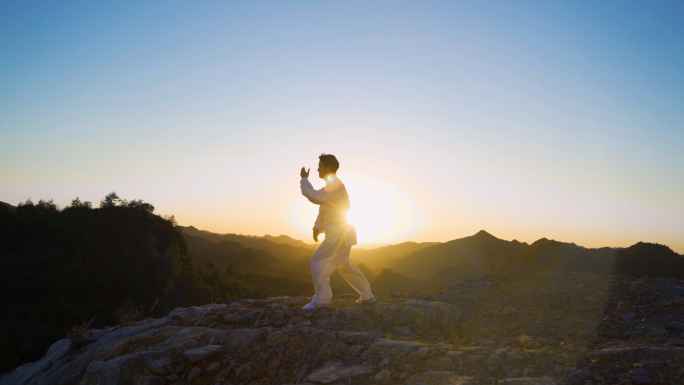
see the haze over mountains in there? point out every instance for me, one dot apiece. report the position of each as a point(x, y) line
point(440, 264)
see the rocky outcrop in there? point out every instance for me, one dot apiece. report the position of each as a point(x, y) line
point(503, 329)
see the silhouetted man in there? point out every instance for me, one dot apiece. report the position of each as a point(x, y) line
point(340, 236)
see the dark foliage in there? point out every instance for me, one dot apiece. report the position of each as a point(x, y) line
point(60, 268)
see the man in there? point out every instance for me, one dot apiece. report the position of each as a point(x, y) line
point(333, 253)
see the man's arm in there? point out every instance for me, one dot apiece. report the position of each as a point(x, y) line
point(317, 197)
point(314, 196)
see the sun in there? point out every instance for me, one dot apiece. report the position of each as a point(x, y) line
point(380, 212)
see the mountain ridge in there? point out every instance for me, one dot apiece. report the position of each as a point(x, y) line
point(248, 239)
point(478, 254)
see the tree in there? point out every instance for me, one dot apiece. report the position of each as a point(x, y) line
point(111, 200)
point(76, 203)
point(171, 219)
point(139, 205)
point(28, 203)
point(47, 205)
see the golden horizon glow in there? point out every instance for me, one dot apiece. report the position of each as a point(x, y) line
point(223, 198)
point(380, 211)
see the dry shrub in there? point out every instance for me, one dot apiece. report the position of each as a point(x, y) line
point(128, 313)
point(156, 302)
point(79, 333)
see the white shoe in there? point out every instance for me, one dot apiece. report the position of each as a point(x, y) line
point(367, 301)
point(312, 305)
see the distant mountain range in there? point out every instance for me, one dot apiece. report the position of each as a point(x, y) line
point(381, 257)
point(483, 253)
point(436, 263)
point(476, 254)
point(279, 244)
point(278, 263)
point(280, 254)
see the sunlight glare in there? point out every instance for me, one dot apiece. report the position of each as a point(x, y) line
point(380, 212)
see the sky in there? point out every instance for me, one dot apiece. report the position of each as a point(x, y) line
point(527, 119)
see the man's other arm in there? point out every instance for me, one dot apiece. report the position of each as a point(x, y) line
point(319, 226)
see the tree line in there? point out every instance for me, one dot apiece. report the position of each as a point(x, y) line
point(62, 267)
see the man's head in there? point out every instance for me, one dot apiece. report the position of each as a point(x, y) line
point(327, 164)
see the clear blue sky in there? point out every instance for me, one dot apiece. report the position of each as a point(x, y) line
point(567, 117)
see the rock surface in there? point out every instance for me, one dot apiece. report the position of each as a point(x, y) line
point(524, 329)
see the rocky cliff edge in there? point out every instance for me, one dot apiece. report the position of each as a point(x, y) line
point(501, 329)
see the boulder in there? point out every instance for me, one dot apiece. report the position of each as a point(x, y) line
point(527, 381)
point(440, 378)
point(27, 372)
point(337, 371)
point(201, 353)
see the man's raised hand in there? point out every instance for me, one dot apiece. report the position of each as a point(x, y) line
point(304, 173)
point(316, 235)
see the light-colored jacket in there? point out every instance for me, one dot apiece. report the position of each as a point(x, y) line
point(333, 204)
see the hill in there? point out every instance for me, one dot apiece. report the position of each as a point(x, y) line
point(233, 254)
point(277, 246)
point(483, 253)
point(285, 240)
point(381, 257)
point(474, 255)
point(8, 206)
point(274, 269)
point(438, 265)
point(649, 260)
point(286, 248)
point(557, 256)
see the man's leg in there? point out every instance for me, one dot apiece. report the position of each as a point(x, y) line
point(323, 263)
point(355, 277)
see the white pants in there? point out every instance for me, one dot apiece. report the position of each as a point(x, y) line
point(331, 256)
